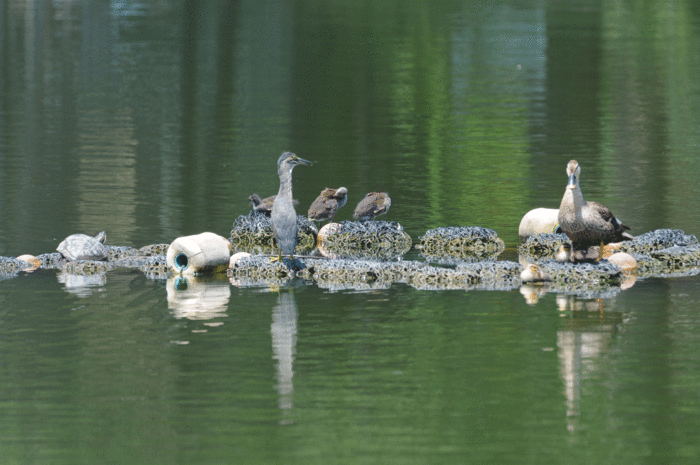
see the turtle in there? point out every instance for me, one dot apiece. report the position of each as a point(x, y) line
point(84, 247)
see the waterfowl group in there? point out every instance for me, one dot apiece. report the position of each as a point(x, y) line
point(587, 223)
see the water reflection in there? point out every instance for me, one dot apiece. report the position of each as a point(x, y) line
point(82, 285)
point(284, 340)
point(582, 340)
point(198, 298)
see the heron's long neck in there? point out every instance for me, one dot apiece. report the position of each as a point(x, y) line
point(285, 191)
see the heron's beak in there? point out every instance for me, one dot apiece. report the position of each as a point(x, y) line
point(572, 181)
point(301, 161)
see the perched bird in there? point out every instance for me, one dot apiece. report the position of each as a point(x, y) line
point(373, 205)
point(284, 217)
point(563, 253)
point(327, 204)
point(587, 223)
point(533, 273)
point(264, 205)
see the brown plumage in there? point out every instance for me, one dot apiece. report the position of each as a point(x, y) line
point(327, 204)
point(587, 223)
point(373, 205)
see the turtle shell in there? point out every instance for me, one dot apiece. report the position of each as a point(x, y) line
point(84, 247)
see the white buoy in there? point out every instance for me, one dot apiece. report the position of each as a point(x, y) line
point(539, 221)
point(199, 254)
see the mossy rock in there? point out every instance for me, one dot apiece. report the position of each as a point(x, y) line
point(253, 233)
point(466, 243)
point(542, 245)
point(365, 239)
point(11, 265)
point(657, 240)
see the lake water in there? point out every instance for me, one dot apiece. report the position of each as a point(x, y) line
point(156, 119)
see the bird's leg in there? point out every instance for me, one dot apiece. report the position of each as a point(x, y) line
point(600, 252)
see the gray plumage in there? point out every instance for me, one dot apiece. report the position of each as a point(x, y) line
point(265, 205)
point(284, 216)
point(373, 205)
point(327, 204)
point(587, 223)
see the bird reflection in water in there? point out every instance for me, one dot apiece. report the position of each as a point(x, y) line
point(582, 339)
point(284, 340)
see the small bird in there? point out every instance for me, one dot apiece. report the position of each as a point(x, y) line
point(264, 205)
point(533, 274)
point(373, 205)
point(284, 217)
point(327, 204)
point(587, 223)
point(563, 253)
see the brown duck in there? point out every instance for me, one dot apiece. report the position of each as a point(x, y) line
point(587, 223)
point(373, 205)
point(327, 204)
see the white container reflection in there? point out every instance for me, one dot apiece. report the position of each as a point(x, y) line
point(197, 298)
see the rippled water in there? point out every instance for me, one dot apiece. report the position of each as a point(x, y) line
point(154, 120)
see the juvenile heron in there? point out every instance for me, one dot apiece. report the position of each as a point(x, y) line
point(327, 204)
point(284, 217)
point(373, 205)
point(587, 223)
point(264, 205)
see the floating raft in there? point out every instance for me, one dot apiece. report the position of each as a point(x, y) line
point(659, 253)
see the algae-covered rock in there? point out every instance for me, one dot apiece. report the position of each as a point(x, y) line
point(119, 252)
point(365, 239)
point(495, 275)
point(86, 267)
point(351, 274)
point(253, 233)
point(543, 245)
point(438, 278)
point(10, 265)
point(463, 242)
point(153, 266)
point(602, 272)
point(677, 260)
point(657, 240)
point(154, 249)
point(259, 268)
